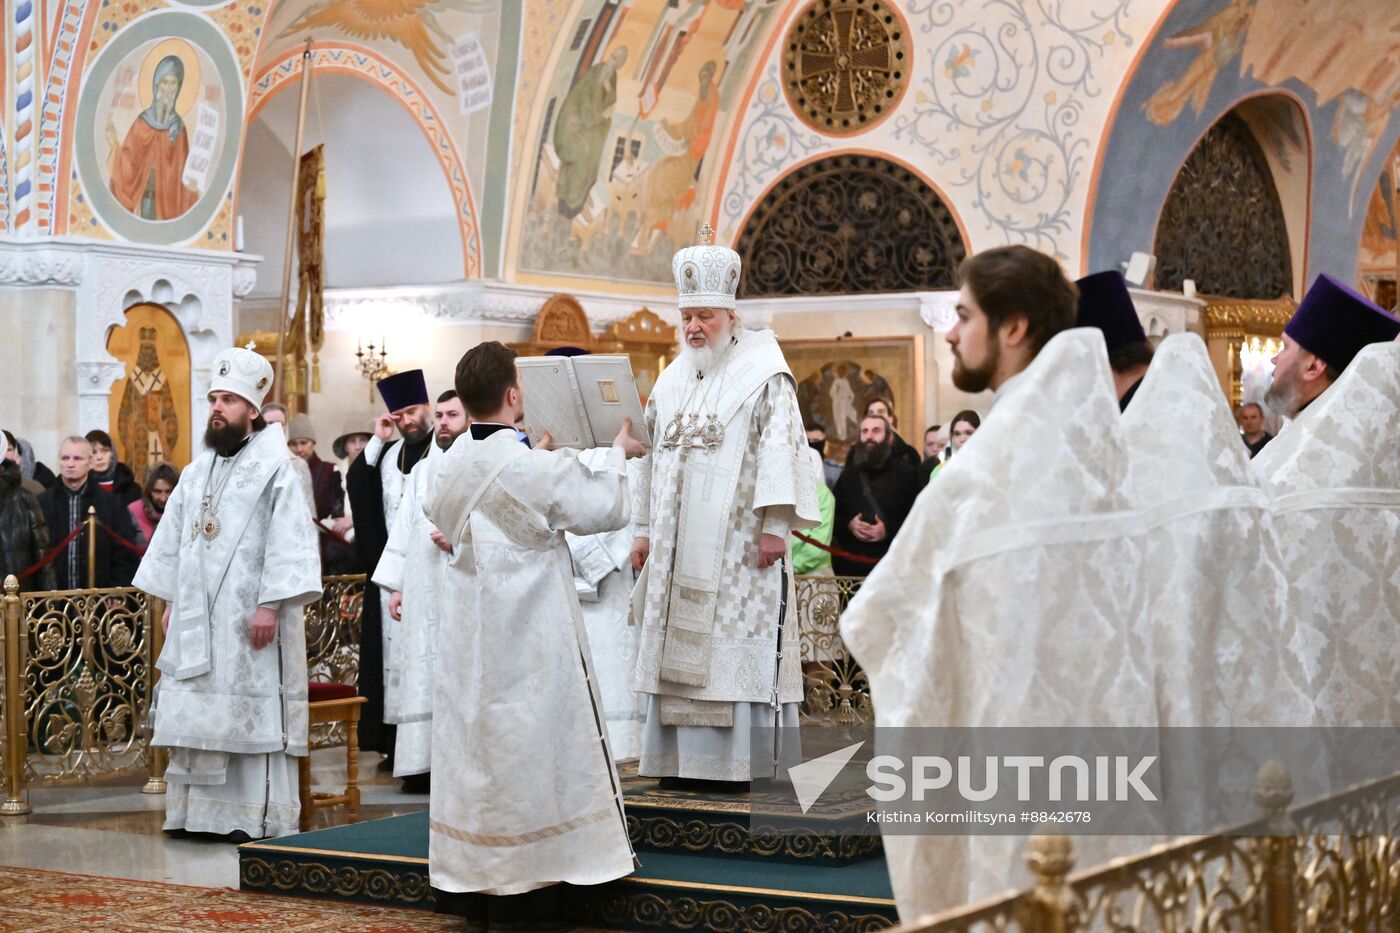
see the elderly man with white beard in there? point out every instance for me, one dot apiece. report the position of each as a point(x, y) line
point(726, 482)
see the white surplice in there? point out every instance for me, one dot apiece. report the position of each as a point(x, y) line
point(1334, 477)
point(414, 566)
point(234, 717)
point(1024, 552)
point(1226, 652)
point(533, 797)
point(603, 580)
point(384, 458)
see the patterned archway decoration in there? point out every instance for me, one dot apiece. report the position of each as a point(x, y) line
point(846, 224)
point(369, 66)
point(1222, 224)
point(845, 64)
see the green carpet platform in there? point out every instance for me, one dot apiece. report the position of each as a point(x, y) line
point(701, 869)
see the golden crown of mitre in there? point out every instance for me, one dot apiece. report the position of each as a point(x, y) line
point(707, 276)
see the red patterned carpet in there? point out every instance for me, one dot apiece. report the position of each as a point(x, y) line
point(40, 901)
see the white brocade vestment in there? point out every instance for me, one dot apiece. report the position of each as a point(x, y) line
point(1226, 652)
point(384, 458)
point(1334, 478)
point(1020, 555)
point(603, 581)
point(526, 793)
point(232, 715)
point(414, 566)
point(708, 655)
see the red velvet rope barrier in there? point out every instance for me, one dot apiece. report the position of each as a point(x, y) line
point(51, 554)
point(119, 539)
point(836, 551)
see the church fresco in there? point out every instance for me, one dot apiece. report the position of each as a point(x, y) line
point(614, 187)
point(414, 25)
point(160, 113)
point(1340, 61)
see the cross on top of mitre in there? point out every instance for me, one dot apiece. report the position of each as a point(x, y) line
point(707, 235)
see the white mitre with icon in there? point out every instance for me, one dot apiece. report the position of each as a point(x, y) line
point(246, 374)
point(707, 276)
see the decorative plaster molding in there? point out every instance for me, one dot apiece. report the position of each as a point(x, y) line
point(472, 302)
point(245, 276)
point(96, 377)
point(39, 267)
point(939, 310)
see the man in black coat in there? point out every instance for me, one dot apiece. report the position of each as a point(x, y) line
point(23, 535)
point(65, 506)
point(873, 497)
point(375, 483)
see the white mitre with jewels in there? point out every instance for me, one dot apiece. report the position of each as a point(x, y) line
point(707, 276)
point(246, 374)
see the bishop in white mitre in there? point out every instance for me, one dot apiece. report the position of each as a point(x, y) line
point(412, 571)
point(534, 798)
point(1334, 478)
point(713, 505)
point(1024, 551)
point(236, 559)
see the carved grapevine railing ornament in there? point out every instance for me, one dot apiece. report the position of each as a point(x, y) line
point(845, 64)
point(1222, 224)
point(847, 224)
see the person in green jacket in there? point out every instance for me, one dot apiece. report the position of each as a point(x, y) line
point(808, 559)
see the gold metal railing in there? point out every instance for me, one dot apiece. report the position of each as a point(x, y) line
point(834, 687)
point(1308, 873)
point(78, 673)
point(78, 670)
point(333, 643)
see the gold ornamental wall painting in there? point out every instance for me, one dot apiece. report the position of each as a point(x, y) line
point(149, 410)
point(836, 378)
point(846, 64)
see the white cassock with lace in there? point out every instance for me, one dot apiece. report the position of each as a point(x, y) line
point(526, 793)
point(234, 716)
point(1334, 477)
point(415, 567)
point(1024, 552)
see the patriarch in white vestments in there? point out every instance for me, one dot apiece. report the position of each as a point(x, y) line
point(411, 570)
point(534, 797)
point(235, 557)
point(1021, 554)
point(713, 505)
point(1334, 478)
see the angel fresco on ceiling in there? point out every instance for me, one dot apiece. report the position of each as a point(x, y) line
point(1317, 42)
point(412, 24)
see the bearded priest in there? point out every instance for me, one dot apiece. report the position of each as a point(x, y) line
point(1024, 551)
point(1334, 479)
point(235, 558)
point(527, 794)
point(411, 571)
point(725, 484)
point(374, 484)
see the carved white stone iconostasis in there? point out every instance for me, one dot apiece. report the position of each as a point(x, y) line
point(62, 299)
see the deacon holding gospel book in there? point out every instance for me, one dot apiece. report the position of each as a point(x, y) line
point(534, 798)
